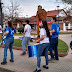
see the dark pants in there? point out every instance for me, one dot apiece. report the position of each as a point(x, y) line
point(54, 45)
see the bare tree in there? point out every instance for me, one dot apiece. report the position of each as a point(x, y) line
point(69, 11)
point(12, 10)
point(67, 1)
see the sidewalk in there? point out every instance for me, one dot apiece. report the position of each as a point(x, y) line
point(17, 36)
point(26, 64)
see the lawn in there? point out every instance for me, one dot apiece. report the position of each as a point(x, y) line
point(18, 34)
point(18, 43)
point(5, 70)
point(62, 46)
point(65, 32)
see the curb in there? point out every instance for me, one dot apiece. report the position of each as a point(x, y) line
point(20, 48)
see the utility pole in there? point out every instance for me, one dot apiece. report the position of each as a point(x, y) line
point(27, 16)
point(1, 20)
point(12, 12)
point(58, 13)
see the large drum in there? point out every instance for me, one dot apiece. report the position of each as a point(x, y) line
point(32, 51)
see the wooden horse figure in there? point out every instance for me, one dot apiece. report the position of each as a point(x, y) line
point(41, 15)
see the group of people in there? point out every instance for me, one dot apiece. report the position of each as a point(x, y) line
point(44, 46)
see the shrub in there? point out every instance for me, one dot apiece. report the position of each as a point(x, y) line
point(21, 29)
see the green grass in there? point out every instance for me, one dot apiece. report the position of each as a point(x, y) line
point(33, 33)
point(62, 46)
point(65, 32)
point(5, 70)
point(18, 43)
point(18, 34)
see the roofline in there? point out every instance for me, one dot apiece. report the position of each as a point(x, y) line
point(56, 10)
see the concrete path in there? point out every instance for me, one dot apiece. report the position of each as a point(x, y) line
point(17, 36)
point(26, 64)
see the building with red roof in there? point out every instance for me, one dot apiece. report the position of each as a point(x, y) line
point(54, 13)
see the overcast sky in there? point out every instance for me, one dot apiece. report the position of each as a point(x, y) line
point(29, 7)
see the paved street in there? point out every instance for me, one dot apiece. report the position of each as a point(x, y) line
point(26, 64)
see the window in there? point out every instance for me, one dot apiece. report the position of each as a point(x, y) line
point(66, 24)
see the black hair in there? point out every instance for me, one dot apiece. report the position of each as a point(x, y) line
point(10, 25)
point(54, 18)
point(39, 6)
point(6, 26)
point(46, 28)
point(27, 21)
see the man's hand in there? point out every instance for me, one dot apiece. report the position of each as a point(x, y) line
point(42, 37)
point(3, 36)
point(52, 31)
point(38, 40)
point(23, 34)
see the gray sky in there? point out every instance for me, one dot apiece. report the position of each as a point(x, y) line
point(29, 7)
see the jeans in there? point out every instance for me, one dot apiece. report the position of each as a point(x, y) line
point(54, 45)
point(42, 49)
point(24, 41)
point(9, 43)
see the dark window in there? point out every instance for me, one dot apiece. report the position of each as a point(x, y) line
point(66, 24)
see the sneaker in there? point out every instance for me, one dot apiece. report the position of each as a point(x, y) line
point(23, 53)
point(11, 60)
point(44, 66)
point(57, 58)
point(3, 63)
point(51, 59)
point(37, 70)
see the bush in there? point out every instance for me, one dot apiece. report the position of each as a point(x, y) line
point(21, 29)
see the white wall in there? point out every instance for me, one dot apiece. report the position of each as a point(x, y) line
point(71, 12)
point(18, 25)
point(62, 14)
point(64, 26)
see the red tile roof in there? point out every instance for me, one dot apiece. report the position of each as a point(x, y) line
point(33, 17)
point(53, 12)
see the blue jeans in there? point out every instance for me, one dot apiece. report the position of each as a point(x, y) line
point(9, 43)
point(42, 49)
point(24, 41)
point(54, 45)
